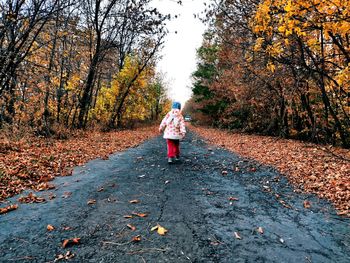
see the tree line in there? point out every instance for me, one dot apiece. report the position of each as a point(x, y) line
point(277, 67)
point(77, 63)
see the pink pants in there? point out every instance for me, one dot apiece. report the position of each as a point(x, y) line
point(173, 148)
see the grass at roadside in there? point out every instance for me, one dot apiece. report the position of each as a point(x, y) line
point(312, 168)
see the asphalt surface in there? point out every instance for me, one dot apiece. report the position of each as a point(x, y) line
point(202, 201)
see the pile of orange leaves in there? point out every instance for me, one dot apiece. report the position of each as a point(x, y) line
point(322, 170)
point(31, 162)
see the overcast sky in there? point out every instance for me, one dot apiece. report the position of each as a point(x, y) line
point(179, 52)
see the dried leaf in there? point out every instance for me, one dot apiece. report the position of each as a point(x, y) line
point(100, 189)
point(136, 239)
point(31, 198)
point(260, 230)
point(307, 204)
point(140, 214)
point(135, 201)
point(8, 209)
point(161, 230)
point(50, 227)
point(66, 256)
point(224, 172)
point(70, 242)
point(133, 228)
point(232, 198)
point(237, 236)
point(91, 202)
point(154, 228)
point(128, 216)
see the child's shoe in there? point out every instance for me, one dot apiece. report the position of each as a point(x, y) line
point(170, 160)
point(177, 158)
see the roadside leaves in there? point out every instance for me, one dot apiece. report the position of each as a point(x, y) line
point(50, 228)
point(136, 239)
point(232, 198)
point(135, 201)
point(307, 204)
point(8, 208)
point(140, 214)
point(323, 170)
point(70, 242)
point(91, 202)
point(26, 164)
point(160, 230)
point(130, 226)
point(128, 216)
point(66, 256)
point(31, 198)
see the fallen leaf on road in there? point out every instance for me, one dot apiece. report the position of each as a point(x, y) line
point(140, 214)
point(66, 256)
point(66, 228)
point(31, 198)
point(128, 216)
point(307, 204)
point(224, 172)
point(50, 227)
point(70, 242)
point(45, 186)
point(134, 201)
point(133, 228)
point(281, 240)
point(237, 236)
point(91, 202)
point(232, 198)
point(100, 189)
point(136, 238)
point(160, 230)
point(52, 196)
point(8, 209)
point(260, 230)
point(166, 182)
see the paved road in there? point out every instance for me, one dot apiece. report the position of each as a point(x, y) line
point(191, 199)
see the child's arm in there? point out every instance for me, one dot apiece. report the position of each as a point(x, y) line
point(163, 123)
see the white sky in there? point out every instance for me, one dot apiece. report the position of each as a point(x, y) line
point(179, 52)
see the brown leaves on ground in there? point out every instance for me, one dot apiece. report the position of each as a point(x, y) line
point(50, 228)
point(136, 239)
point(9, 208)
point(32, 162)
point(322, 170)
point(70, 242)
point(140, 214)
point(31, 198)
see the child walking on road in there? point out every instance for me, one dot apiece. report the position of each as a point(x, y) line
point(174, 129)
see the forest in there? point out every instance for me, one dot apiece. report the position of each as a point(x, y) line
point(276, 67)
point(75, 64)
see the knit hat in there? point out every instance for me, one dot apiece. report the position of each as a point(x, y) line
point(176, 105)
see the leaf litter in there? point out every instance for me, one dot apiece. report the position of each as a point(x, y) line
point(312, 168)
